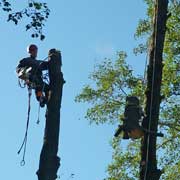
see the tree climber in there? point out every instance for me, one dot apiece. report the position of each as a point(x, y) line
point(133, 115)
point(30, 70)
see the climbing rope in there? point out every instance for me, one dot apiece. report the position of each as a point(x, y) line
point(21, 83)
point(145, 66)
point(27, 126)
point(38, 119)
point(123, 91)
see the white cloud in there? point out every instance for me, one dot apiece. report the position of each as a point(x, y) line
point(104, 49)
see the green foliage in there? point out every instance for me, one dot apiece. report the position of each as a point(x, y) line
point(36, 12)
point(125, 163)
point(107, 99)
point(111, 80)
point(141, 48)
point(144, 28)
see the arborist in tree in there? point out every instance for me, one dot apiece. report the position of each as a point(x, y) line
point(132, 115)
point(133, 120)
point(30, 70)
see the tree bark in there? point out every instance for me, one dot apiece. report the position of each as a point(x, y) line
point(148, 167)
point(49, 161)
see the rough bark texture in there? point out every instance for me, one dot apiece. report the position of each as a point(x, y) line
point(49, 161)
point(149, 169)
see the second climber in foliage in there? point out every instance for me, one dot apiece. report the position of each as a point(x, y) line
point(132, 126)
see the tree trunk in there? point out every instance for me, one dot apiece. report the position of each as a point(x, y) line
point(49, 161)
point(148, 168)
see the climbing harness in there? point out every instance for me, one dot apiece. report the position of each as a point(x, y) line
point(27, 126)
point(21, 83)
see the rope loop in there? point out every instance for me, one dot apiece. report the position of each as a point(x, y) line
point(22, 162)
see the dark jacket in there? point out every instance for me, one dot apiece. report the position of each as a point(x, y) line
point(36, 65)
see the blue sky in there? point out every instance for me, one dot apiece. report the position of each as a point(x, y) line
point(86, 32)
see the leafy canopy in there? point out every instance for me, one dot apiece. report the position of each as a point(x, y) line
point(112, 81)
point(36, 12)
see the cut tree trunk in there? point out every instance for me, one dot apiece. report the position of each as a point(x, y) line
point(49, 161)
point(148, 168)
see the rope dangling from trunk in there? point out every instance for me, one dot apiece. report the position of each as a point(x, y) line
point(27, 126)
